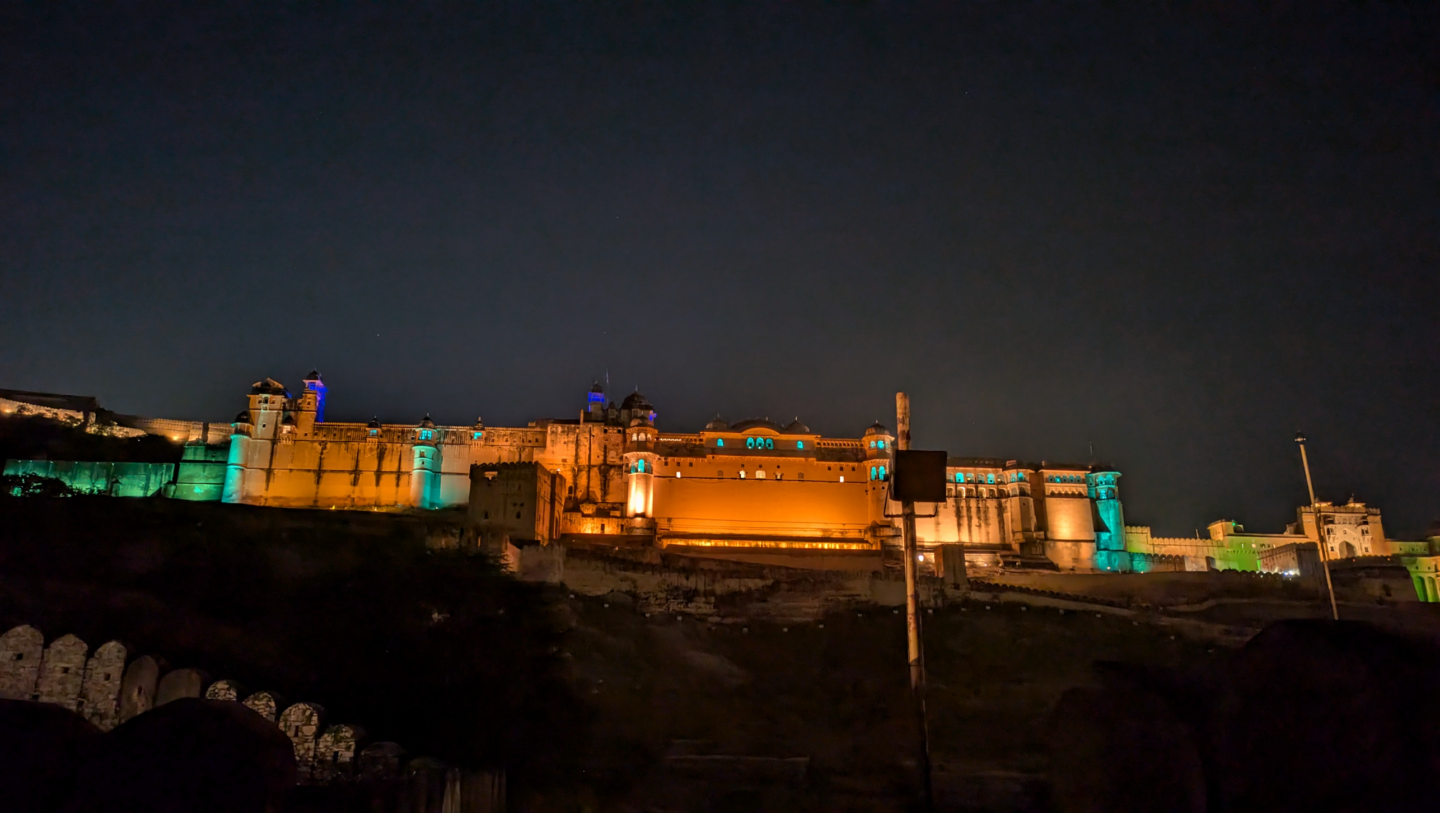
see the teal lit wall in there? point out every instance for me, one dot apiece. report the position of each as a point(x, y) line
point(114, 479)
point(201, 476)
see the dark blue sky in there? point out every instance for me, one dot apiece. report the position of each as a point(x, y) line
point(1179, 235)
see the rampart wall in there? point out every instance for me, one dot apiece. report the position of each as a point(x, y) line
point(112, 479)
point(724, 591)
point(115, 684)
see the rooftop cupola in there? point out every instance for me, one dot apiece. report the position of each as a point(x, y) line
point(635, 406)
point(425, 431)
point(878, 441)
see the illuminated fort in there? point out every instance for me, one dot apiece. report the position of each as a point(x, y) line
point(752, 489)
point(610, 471)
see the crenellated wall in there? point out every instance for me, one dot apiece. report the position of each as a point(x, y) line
point(115, 685)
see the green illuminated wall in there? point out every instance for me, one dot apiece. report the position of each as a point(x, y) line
point(202, 473)
point(114, 479)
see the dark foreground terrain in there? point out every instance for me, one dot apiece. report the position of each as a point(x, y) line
point(588, 704)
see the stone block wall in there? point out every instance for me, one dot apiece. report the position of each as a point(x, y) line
point(99, 696)
point(663, 582)
point(62, 672)
point(21, 651)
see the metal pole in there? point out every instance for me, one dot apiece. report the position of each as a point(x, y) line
point(1319, 529)
point(912, 605)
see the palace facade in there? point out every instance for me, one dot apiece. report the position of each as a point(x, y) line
point(752, 485)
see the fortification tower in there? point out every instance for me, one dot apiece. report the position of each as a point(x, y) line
point(878, 466)
point(640, 459)
point(1103, 485)
point(234, 488)
point(595, 404)
point(425, 465)
point(256, 430)
point(1019, 503)
point(313, 398)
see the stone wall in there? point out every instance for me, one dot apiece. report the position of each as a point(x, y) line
point(113, 479)
point(663, 582)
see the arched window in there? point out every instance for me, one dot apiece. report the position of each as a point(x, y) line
point(872, 472)
point(425, 434)
point(882, 444)
point(719, 441)
point(749, 443)
point(872, 444)
point(769, 443)
point(478, 435)
point(882, 472)
point(742, 474)
point(990, 479)
point(799, 444)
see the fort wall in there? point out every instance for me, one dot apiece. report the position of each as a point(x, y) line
point(663, 582)
point(113, 479)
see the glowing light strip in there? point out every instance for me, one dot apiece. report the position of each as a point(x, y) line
point(769, 544)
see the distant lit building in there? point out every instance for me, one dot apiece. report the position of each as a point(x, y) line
point(752, 485)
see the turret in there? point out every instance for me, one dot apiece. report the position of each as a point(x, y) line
point(879, 447)
point(234, 490)
point(315, 396)
point(1104, 489)
point(595, 404)
point(425, 465)
point(635, 406)
point(256, 429)
point(269, 401)
point(640, 460)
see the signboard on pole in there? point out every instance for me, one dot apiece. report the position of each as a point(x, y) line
point(919, 476)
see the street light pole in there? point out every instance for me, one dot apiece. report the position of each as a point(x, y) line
point(912, 603)
point(1319, 529)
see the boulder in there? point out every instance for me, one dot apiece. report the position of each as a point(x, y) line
point(42, 747)
point(188, 756)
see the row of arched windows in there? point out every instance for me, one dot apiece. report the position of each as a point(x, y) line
point(878, 473)
point(962, 477)
point(759, 443)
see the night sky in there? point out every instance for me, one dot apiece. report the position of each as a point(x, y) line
point(1177, 235)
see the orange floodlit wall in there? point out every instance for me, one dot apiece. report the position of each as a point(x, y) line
point(721, 506)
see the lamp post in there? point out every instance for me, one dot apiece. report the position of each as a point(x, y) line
point(1319, 529)
point(912, 606)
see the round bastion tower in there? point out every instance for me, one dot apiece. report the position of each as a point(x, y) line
point(877, 467)
point(640, 460)
point(1109, 540)
point(425, 466)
